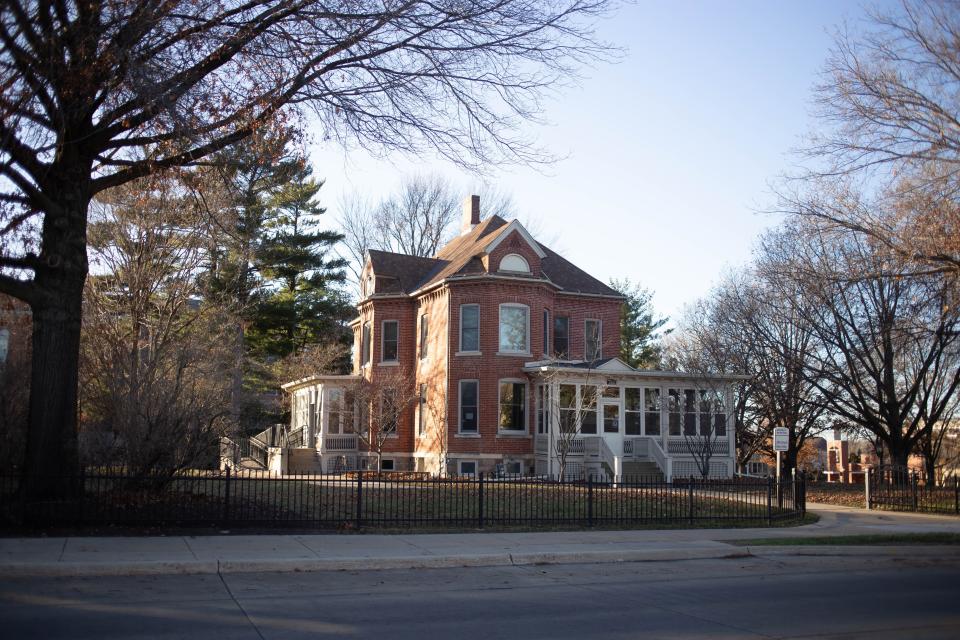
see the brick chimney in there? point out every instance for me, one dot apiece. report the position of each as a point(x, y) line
point(471, 214)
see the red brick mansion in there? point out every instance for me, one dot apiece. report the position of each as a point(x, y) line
point(507, 354)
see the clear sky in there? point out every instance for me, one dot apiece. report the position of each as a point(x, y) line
point(669, 153)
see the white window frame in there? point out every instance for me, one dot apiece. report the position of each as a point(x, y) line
point(383, 341)
point(460, 342)
point(553, 336)
point(460, 471)
point(393, 464)
point(506, 467)
point(421, 409)
point(517, 260)
point(526, 311)
point(526, 406)
point(460, 430)
point(599, 338)
point(366, 348)
point(625, 390)
point(547, 345)
point(424, 336)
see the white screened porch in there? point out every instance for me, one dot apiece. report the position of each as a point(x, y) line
point(323, 409)
point(615, 421)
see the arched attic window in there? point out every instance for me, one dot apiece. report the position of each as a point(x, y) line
point(515, 263)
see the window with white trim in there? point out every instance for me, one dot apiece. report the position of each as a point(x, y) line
point(387, 464)
point(469, 405)
point(591, 340)
point(561, 337)
point(469, 327)
point(514, 328)
point(390, 341)
point(632, 411)
point(546, 333)
point(514, 262)
point(689, 412)
point(513, 467)
point(467, 468)
point(424, 334)
point(651, 408)
point(365, 344)
point(513, 406)
point(675, 412)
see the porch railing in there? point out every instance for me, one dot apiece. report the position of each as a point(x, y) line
point(681, 446)
point(340, 442)
point(666, 464)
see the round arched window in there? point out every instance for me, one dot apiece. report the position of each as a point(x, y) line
point(514, 262)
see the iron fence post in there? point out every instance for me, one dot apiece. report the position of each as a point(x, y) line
point(769, 501)
point(590, 500)
point(866, 488)
point(358, 520)
point(956, 494)
point(480, 501)
point(226, 499)
point(913, 486)
point(690, 496)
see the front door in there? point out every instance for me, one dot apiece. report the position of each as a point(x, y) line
point(612, 430)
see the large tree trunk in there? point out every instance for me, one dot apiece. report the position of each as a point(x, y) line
point(52, 444)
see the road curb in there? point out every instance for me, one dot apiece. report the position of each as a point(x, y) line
point(889, 551)
point(145, 568)
point(302, 565)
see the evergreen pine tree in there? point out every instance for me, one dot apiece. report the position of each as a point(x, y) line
point(639, 326)
point(302, 303)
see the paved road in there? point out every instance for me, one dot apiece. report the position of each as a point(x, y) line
point(823, 597)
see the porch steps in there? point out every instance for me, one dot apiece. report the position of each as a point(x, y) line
point(305, 461)
point(642, 470)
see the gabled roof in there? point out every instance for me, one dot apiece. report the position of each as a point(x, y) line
point(461, 257)
point(408, 271)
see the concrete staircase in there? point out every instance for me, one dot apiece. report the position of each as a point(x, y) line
point(642, 471)
point(305, 461)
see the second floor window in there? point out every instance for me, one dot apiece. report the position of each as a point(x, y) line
point(514, 328)
point(390, 341)
point(591, 340)
point(546, 332)
point(365, 344)
point(423, 336)
point(470, 327)
point(561, 337)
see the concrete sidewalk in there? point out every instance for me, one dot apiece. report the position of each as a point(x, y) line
point(75, 556)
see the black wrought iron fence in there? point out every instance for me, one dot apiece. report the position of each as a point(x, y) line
point(901, 489)
point(256, 498)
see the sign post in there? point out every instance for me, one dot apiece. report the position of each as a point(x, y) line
point(781, 442)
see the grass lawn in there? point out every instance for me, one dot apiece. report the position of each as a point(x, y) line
point(857, 540)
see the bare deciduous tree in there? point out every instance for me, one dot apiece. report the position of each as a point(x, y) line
point(417, 220)
point(155, 366)
point(383, 402)
point(887, 360)
point(87, 86)
point(891, 101)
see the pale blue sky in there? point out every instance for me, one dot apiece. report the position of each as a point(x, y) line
point(670, 153)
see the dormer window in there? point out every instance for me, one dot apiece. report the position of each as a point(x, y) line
point(514, 262)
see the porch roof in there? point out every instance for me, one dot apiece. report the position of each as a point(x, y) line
point(615, 367)
point(315, 379)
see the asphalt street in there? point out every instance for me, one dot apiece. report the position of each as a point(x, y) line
point(752, 597)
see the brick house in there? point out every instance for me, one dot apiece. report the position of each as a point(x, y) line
point(508, 353)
